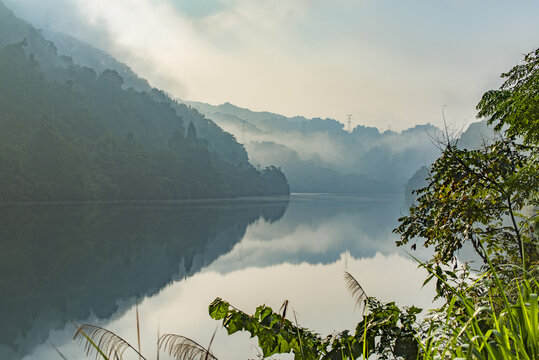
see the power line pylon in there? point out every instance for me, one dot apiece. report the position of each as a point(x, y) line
point(349, 122)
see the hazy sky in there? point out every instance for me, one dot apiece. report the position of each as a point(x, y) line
point(389, 63)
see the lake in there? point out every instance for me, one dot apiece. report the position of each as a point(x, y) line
point(94, 262)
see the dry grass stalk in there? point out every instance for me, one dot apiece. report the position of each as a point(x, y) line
point(358, 294)
point(183, 348)
point(103, 342)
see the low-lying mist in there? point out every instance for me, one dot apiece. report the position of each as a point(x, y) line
point(319, 155)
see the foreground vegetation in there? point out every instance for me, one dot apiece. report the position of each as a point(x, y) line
point(487, 198)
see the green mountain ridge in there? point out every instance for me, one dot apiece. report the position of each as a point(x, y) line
point(87, 55)
point(71, 133)
point(363, 162)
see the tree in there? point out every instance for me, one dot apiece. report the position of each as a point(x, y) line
point(515, 105)
point(191, 132)
point(477, 196)
point(489, 196)
point(176, 143)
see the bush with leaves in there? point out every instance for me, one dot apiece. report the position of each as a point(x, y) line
point(488, 196)
point(385, 330)
point(478, 196)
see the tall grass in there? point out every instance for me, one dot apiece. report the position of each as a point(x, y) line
point(106, 345)
point(471, 327)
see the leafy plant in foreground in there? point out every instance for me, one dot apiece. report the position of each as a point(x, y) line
point(488, 197)
point(385, 330)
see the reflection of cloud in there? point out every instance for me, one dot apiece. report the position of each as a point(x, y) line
point(317, 229)
point(316, 292)
point(298, 257)
point(319, 243)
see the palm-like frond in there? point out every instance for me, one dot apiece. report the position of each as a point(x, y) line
point(104, 343)
point(183, 348)
point(352, 285)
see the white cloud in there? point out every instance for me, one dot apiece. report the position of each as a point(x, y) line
point(386, 62)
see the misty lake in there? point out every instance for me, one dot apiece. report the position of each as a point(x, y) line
point(93, 262)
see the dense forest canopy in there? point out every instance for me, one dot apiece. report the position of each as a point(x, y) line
point(70, 132)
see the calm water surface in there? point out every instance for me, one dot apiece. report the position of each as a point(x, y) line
point(92, 263)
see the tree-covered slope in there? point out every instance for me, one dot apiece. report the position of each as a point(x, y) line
point(69, 133)
point(79, 52)
point(61, 50)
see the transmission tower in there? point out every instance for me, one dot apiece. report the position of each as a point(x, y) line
point(349, 122)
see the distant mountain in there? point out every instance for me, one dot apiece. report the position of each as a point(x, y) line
point(476, 135)
point(69, 132)
point(319, 155)
point(315, 176)
point(416, 182)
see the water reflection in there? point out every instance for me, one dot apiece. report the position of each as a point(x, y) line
point(175, 259)
point(318, 229)
point(69, 261)
point(316, 293)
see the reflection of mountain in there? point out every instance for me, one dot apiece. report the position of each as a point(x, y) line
point(63, 262)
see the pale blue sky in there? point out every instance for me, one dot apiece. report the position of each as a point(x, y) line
point(390, 63)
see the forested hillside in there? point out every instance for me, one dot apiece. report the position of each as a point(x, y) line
point(317, 155)
point(69, 132)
